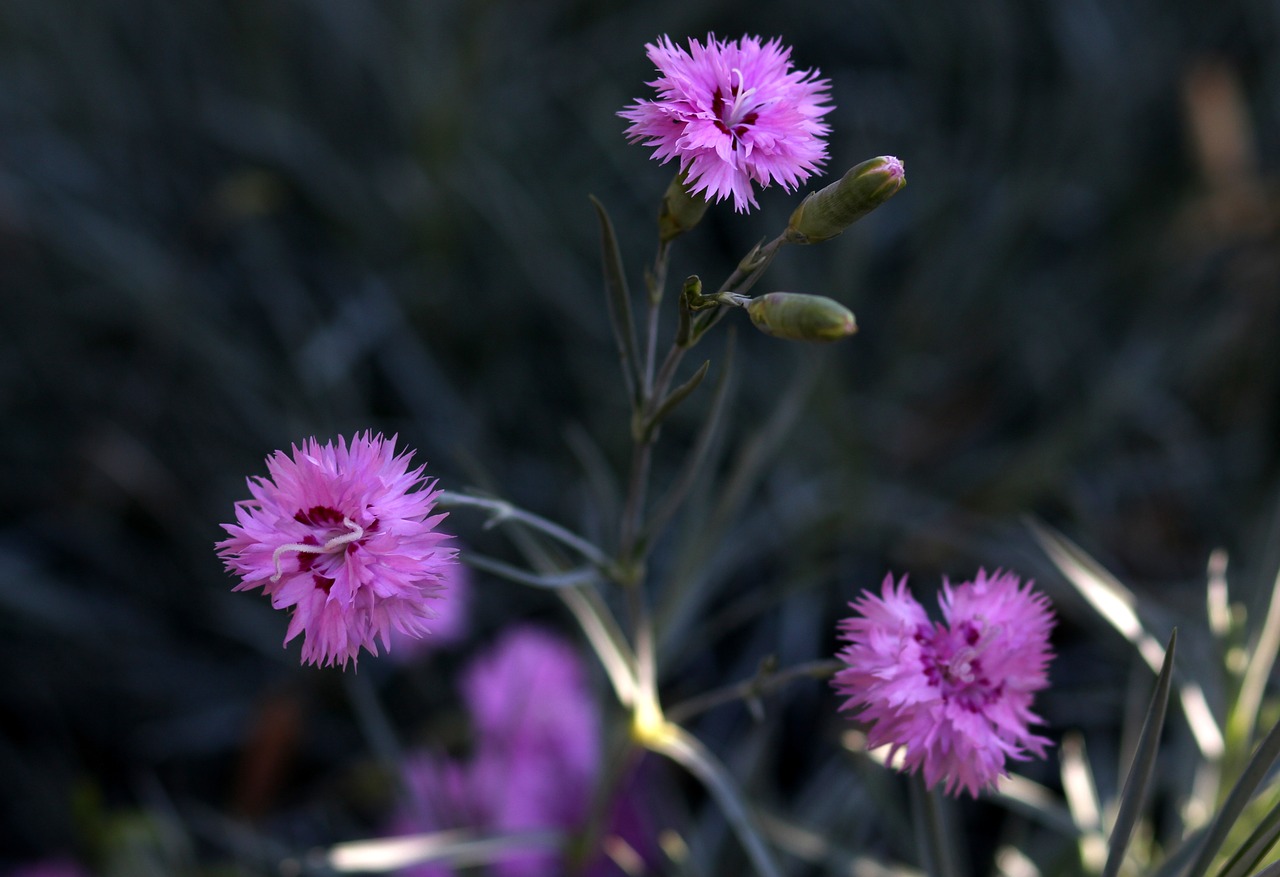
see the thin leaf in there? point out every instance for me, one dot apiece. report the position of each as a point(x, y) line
point(1144, 761)
point(1272, 870)
point(674, 398)
point(502, 512)
point(1250, 779)
point(1115, 603)
point(694, 460)
point(1241, 722)
point(618, 298)
point(1082, 800)
point(687, 751)
point(568, 579)
point(1255, 847)
point(458, 847)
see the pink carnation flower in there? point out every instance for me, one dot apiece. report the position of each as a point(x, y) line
point(344, 536)
point(733, 113)
point(536, 756)
point(535, 760)
point(955, 697)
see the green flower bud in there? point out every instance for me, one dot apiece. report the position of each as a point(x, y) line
point(800, 317)
point(826, 213)
point(681, 210)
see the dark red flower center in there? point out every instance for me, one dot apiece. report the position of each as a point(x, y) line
point(335, 533)
point(952, 663)
point(730, 118)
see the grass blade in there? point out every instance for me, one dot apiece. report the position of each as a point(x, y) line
point(1115, 603)
point(1144, 762)
point(1250, 779)
point(619, 300)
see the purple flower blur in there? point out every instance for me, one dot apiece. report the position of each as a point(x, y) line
point(955, 697)
point(535, 760)
point(733, 113)
point(344, 536)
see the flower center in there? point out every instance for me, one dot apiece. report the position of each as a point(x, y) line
point(952, 662)
point(324, 518)
point(734, 118)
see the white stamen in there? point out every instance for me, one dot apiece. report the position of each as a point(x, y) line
point(354, 533)
point(961, 663)
point(740, 94)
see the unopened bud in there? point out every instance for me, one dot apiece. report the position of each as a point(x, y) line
point(681, 210)
point(800, 317)
point(826, 213)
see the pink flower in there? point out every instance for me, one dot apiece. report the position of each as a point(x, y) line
point(955, 697)
point(733, 113)
point(344, 536)
point(535, 761)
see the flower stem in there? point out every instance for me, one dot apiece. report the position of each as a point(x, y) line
point(761, 684)
point(931, 830)
point(606, 639)
point(502, 511)
point(686, 750)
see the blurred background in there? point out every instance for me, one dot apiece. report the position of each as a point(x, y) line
point(227, 227)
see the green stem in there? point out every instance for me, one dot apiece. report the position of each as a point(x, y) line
point(502, 512)
point(686, 750)
point(931, 829)
point(633, 509)
point(757, 686)
point(606, 639)
point(569, 579)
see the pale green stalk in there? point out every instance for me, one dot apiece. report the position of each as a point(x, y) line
point(686, 750)
point(502, 512)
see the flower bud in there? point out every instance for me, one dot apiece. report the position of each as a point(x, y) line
point(826, 213)
point(680, 211)
point(800, 317)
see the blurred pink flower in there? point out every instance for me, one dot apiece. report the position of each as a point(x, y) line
point(956, 697)
point(733, 113)
point(344, 536)
point(535, 760)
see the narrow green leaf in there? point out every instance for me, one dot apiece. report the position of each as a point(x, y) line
point(1242, 719)
point(1250, 779)
point(569, 579)
point(689, 752)
point(1272, 870)
point(694, 460)
point(1117, 605)
point(674, 398)
point(1144, 762)
point(618, 297)
point(456, 846)
point(1255, 847)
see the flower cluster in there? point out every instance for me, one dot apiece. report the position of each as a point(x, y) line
point(343, 536)
point(734, 113)
point(955, 697)
point(535, 758)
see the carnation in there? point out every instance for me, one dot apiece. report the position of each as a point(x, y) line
point(342, 536)
point(953, 697)
point(535, 758)
point(733, 113)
